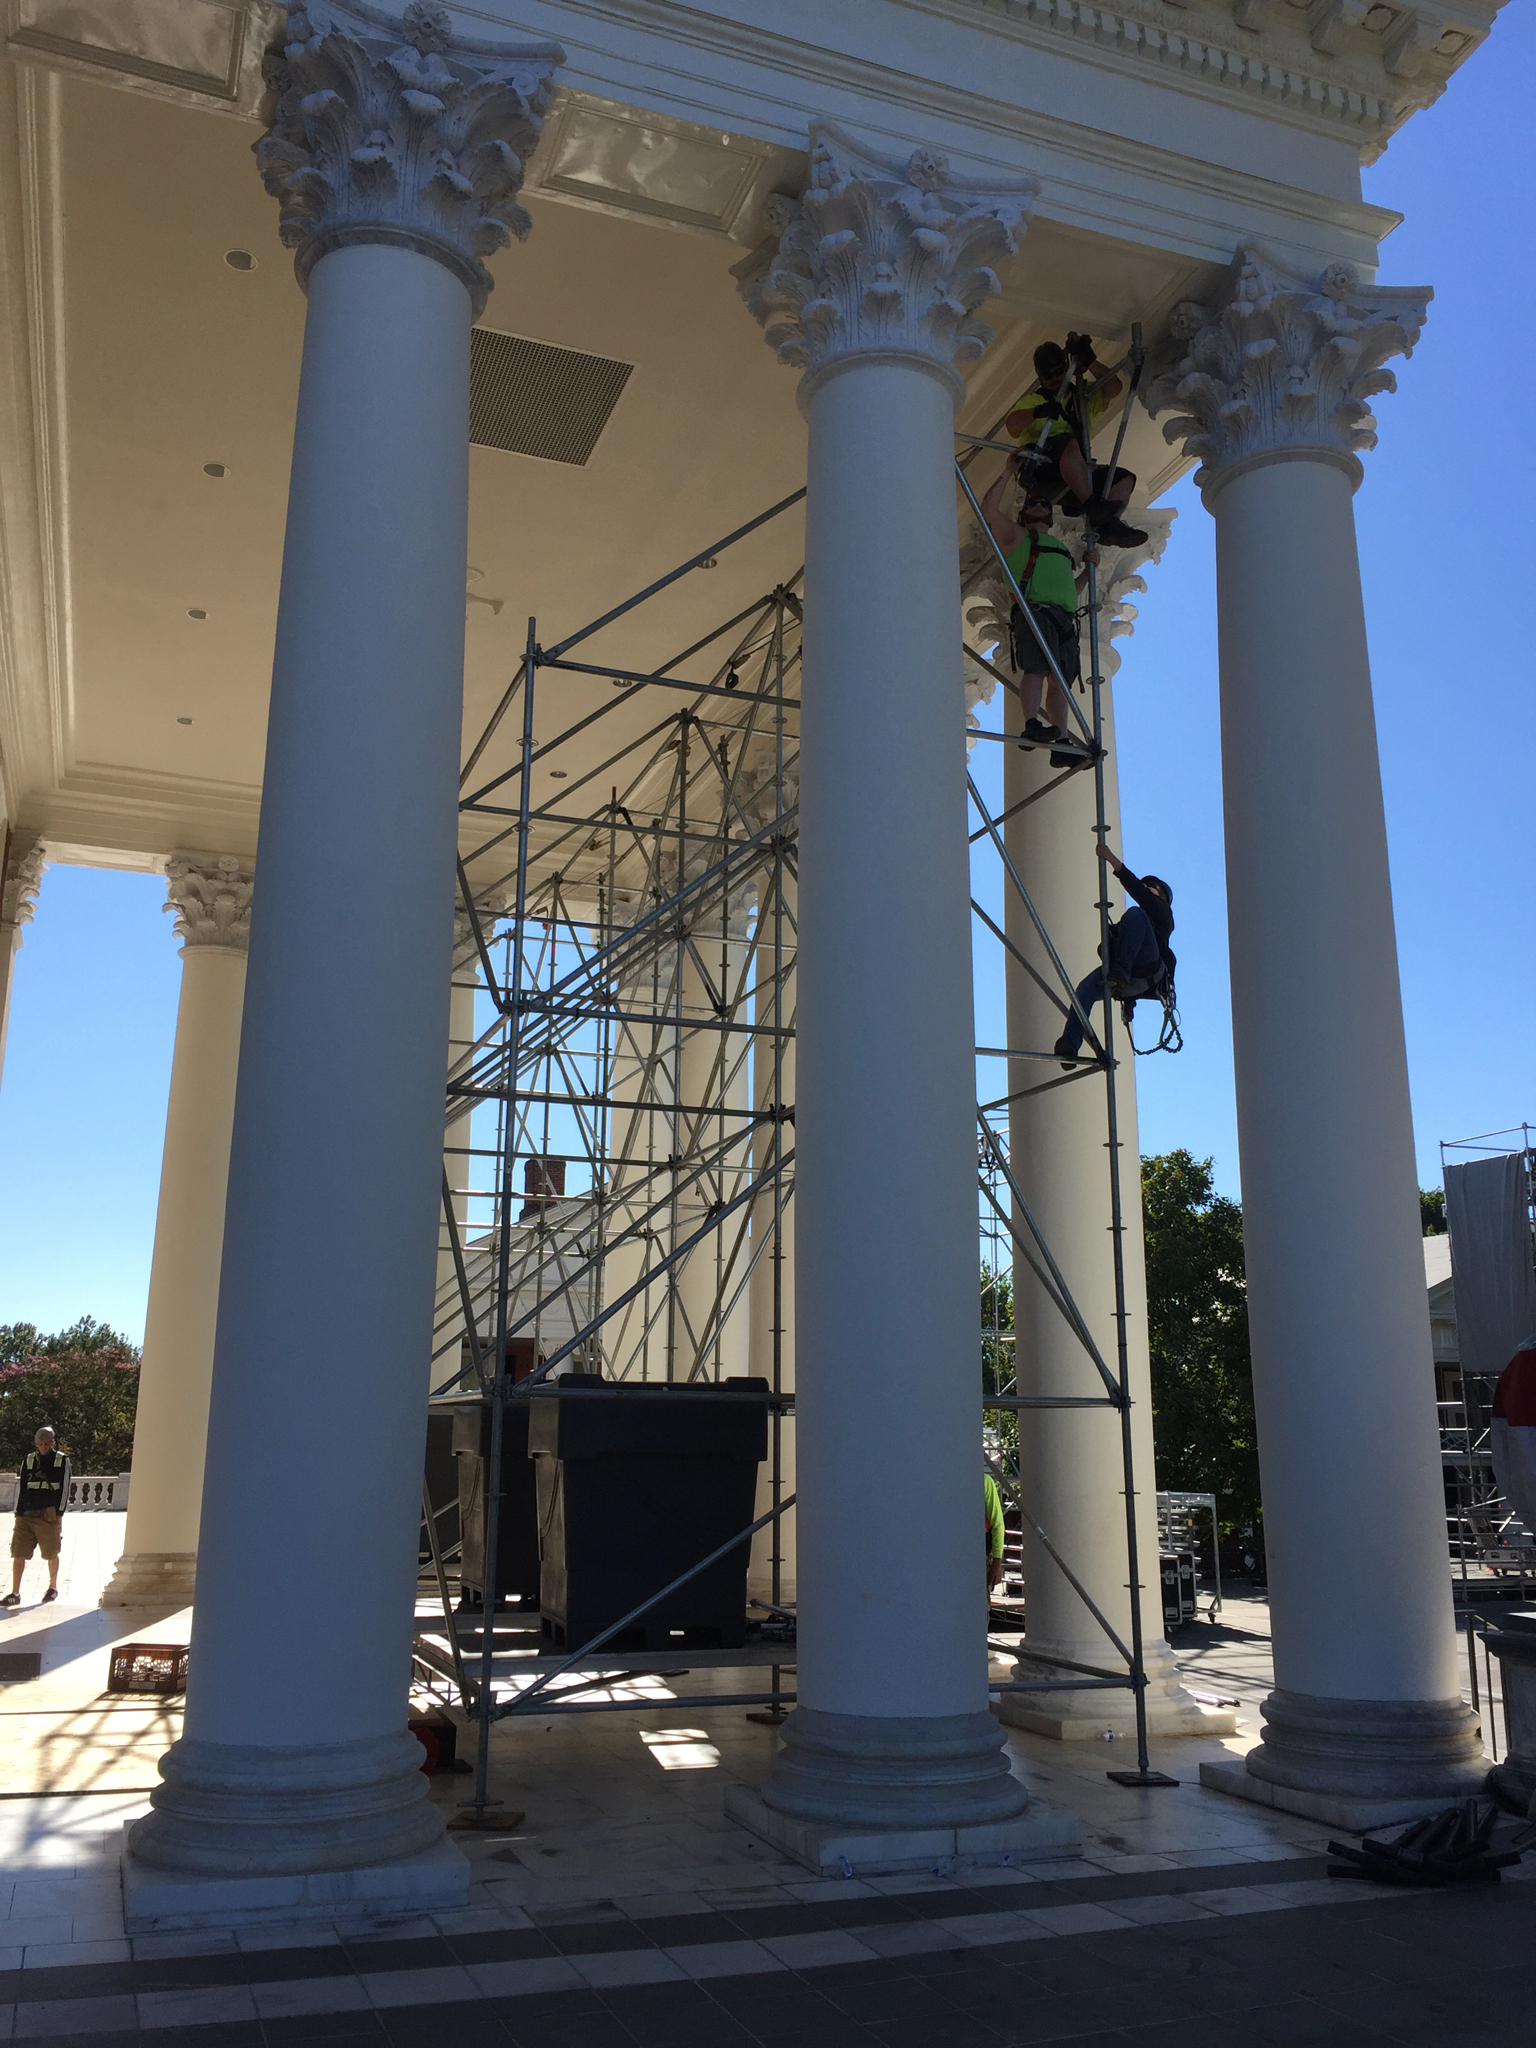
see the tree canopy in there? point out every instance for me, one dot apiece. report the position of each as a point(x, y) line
point(82, 1382)
point(1197, 1322)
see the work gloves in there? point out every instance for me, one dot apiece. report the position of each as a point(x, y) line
point(1080, 349)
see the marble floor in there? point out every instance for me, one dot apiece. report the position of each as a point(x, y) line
point(624, 1911)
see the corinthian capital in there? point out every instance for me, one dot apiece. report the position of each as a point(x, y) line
point(1284, 363)
point(211, 896)
point(384, 131)
point(885, 258)
point(25, 860)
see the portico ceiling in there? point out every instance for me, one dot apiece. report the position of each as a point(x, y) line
point(139, 643)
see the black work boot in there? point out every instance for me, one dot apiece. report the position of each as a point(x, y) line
point(1106, 525)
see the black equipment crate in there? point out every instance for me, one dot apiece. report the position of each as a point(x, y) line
point(517, 1541)
point(1176, 1568)
point(636, 1484)
point(442, 1486)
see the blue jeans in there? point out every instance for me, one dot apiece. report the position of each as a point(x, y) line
point(1133, 953)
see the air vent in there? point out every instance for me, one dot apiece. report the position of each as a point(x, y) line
point(532, 399)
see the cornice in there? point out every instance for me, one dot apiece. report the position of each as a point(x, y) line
point(143, 810)
point(1277, 71)
point(1313, 64)
point(1226, 202)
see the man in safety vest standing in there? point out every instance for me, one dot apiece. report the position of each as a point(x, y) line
point(41, 1498)
point(992, 1501)
point(1042, 571)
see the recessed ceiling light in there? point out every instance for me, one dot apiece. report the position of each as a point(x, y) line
point(183, 721)
point(196, 613)
point(558, 774)
point(709, 562)
point(239, 259)
point(214, 469)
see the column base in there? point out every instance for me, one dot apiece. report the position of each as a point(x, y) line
point(157, 1901)
point(833, 1849)
point(234, 1810)
point(924, 1771)
point(152, 1578)
point(1084, 1716)
point(1357, 1763)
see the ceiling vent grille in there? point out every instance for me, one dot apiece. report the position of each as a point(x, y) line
point(531, 399)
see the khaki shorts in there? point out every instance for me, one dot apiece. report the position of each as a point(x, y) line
point(44, 1532)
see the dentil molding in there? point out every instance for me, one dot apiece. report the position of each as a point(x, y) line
point(883, 258)
point(211, 896)
point(1283, 363)
point(419, 142)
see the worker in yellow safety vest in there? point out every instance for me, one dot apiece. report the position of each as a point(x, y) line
point(1048, 425)
point(1044, 576)
point(994, 1506)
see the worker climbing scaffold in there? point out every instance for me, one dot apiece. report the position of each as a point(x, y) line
point(1054, 424)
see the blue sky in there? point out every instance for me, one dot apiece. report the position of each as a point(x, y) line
point(1446, 548)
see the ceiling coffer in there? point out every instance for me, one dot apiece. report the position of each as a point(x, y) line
point(532, 399)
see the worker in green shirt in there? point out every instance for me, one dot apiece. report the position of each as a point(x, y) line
point(1043, 575)
point(994, 1505)
point(1048, 425)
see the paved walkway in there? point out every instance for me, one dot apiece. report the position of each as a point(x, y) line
point(624, 1911)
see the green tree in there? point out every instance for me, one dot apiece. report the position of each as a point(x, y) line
point(1197, 1320)
point(1432, 1211)
point(997, 1354)
point(82, 1382)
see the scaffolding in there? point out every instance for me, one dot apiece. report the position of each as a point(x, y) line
point(633, 931)
point(1486, 1535)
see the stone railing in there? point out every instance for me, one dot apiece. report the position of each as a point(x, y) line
point(97, 1493)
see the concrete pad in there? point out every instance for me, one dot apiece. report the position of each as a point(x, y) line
point(832, 1850)
point(157, 1901)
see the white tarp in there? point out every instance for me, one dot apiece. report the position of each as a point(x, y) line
point(1489, 1222)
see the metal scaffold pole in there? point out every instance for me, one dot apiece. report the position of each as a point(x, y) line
point(643, 1023)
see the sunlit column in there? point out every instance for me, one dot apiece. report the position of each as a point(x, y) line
point(211, 895)
point(396, 163)
point(872, 294)
point(1272, 388)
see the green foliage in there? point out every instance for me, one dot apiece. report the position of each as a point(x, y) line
point(87, 1338)
point(82, 1382)
point(1197, 1310)
point(1432, 1211)
point(997, 1356)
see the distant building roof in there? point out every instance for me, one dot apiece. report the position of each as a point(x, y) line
point(1437, 1260)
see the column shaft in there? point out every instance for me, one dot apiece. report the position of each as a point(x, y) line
point(158, 1566)
point(318, 1419)
point(1353, 1512)
point(1071, 1466)
point(893, 1725)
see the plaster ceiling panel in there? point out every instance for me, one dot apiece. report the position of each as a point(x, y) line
point(173, 361)
point(704, 437)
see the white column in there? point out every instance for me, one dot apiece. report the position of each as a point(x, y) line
point(211, 895)
point(296, 1758)
point(1367, 1703)
point(872, 293)
point(1071, 1467)
point(464, 982)
point(25, 858)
